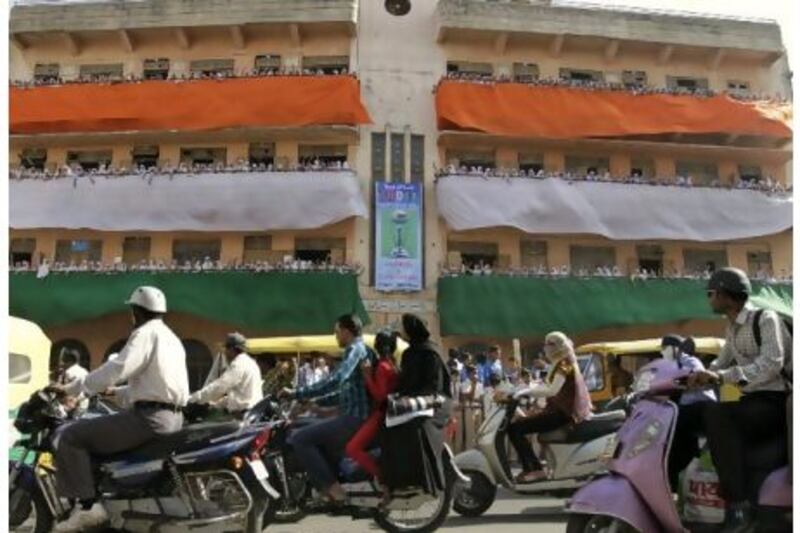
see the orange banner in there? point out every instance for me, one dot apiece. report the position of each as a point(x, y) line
point(518, 110)
point(283, 101)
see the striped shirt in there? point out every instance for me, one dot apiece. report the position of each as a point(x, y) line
point(346, 382)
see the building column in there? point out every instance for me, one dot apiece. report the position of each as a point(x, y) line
point(620, 165)
point(737, 256)
point(627, 259)
point(728, 172)
point(283, 242)
point(237, 151)
point(231, 248)
point(161, 247)
point(780, 247)
point(554, 161)
point(507, 158)
point(557, 253)
point(286, 153)
point(673, 257)
point(45, 247)
point(665, 167)
point(112, 247)
point(169, 154)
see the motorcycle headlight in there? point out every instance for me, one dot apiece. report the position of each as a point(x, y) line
point(643, 381)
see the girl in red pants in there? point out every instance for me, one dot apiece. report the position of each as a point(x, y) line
point(380, 380)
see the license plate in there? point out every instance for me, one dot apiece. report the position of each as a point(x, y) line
point(259, 469)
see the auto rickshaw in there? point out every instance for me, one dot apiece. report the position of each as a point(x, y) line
point(596, 365)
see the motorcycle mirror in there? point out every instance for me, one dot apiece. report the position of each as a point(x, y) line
point(398, 8)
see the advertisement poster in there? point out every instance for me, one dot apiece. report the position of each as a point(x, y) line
point(398, 236)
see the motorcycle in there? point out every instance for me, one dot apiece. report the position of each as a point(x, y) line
point(636, 495)
point(409, 511)
point(204, 477)
point(573, 455)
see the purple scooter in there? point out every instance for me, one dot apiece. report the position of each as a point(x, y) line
point(636, 495)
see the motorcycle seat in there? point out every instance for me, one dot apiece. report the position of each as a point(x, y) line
point(597, 426)
point(187, 439)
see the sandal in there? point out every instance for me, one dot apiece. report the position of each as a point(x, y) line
point(530, 477)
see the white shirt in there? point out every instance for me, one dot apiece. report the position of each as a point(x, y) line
point(466, 387)
point(153, 362)
point(74, 372)
point(240, 384)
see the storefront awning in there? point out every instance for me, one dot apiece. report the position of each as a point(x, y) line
point(281, 101)
point(518, 110)
point(527, 307)
point(284, 303)
point(252, 201)
point(615, 210)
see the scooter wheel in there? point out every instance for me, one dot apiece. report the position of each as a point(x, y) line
point(586, 523)
point(476, 499)
point(37, 511)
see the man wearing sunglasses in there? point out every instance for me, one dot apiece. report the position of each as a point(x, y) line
point(756, 366)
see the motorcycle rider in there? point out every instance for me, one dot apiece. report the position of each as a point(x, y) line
point(154, 362)
point(240, 384)
point(328, 438)
point(760, 415)
point(691, 406)
point(568, 402)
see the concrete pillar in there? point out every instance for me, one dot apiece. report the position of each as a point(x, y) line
point(286, 153)
point(665, 167)
point(737, 256)
point(776, 172)
point(121, 155)
point(237, 151)
point(728, 172)
point(781, 251)
point(57, 156)
point(507, 158)
point(627, 258)
point(673, 256)
point(45, 247)
point(554, 161)
point(620, 165)
point(283, 241)
point(232, 247)
point(508, 245)
point(169, 154)
point(352, 155)
point(557, 253)
point(112, 247)
point(15, 157)
point(161, 247)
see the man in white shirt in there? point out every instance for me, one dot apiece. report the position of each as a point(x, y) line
point(153, 362)
point(70, 369)
point(239, 387)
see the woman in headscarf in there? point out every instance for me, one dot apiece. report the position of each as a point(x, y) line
point(568, 402)
point(411, 453)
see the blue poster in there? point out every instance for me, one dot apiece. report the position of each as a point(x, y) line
point(398, 236)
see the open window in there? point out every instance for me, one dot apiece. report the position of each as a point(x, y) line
point(701, 172)
point(145, 155)
point(738, 87)
point(261, 154)
point(211, 67)
point(651, 257)
point(643, 168)
point(470, 68)
point(526, 72)
point(634, 79)
point(581, 165)
point(471, 158)
point(533, 254)
point(105, 71)
point(135, 250)
point(475, 253)
point(320, 249)
point(46, 72)
point(326, 154)
point(33, 158)
point(687, 82)
point(204, 156)
point(266, 63)
point(78, 250)
point(750, 173)
point(531, 162)
point(21, 251)
point(327, 64)
point(89, 159)
point(759, 263)
point(156, 69)
point(589, 258)
point(704, 259)
point(581, 75)
point(193, 250)
point(256, 248)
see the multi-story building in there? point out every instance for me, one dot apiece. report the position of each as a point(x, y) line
point(380, 105)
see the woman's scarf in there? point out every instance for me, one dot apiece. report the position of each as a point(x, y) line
point(582, 406)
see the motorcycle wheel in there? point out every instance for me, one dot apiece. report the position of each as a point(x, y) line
point(289, 514)
point(585, 523)
point(35, 510)
point(476, 499)
point(399, 522)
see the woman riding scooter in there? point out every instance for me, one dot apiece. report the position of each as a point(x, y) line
point(568, 402)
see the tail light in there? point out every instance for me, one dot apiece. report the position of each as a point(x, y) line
point(259, 443)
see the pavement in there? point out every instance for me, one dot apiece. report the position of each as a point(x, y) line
point(511, 513)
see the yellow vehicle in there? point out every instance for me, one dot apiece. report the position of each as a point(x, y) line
point(28, 361)
point(297, 346)
point(596, 364)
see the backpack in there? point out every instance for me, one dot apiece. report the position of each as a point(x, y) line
point(786, 372)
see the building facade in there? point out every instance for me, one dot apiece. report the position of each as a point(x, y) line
point(398, 99)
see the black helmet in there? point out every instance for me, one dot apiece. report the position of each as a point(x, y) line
point(385, 342)
point(730, 280)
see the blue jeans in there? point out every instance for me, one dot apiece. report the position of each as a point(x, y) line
point(320, 442)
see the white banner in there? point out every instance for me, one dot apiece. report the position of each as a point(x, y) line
point(615, 210)
point(196, 202)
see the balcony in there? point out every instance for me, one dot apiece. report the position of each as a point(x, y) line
point(609, 30)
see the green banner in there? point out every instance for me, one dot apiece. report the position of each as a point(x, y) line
point(280, 303)
point(497, 306)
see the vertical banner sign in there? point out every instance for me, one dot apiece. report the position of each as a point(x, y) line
point(398, 236)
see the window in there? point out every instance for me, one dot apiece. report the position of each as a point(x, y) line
point(701, 172)
point(327, 64)
point(469, 159)
point(156, 69)
point(89, 160)
point(526, 72)
point(398, 154)
point(57, 348)
point(267, 63)
point(475, 253)
point(111, 71)
point(212, 67)
point(578, 75)
point(590, 257)
point(759, 263)
point(193, 250)
point(21, 251)
point(198, 362)
point(533, 254)
point(531, 162)
point(256, 248)
point(78, 251)
point(643, 168)
point(592, 369)
point(19, 368)
point(46, 73)
point(634, 78)
point(750, 173)
point(204, 156)
point(738, 86)
point(379, 156)
point(326, 154)
point(704, 260)
point(651, 258)
point(261, 154)
point(470, 68)
point(418, 158)
point(687, 82)
point(320, 249)
point(584, 165)
point(135, 250)
point(145, 155)
point(33, 158)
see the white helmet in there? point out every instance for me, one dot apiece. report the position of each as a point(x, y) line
point(149, 298)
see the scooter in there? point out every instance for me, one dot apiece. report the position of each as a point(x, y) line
point(636, 495)
point(573, 455)
point(206, 477)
